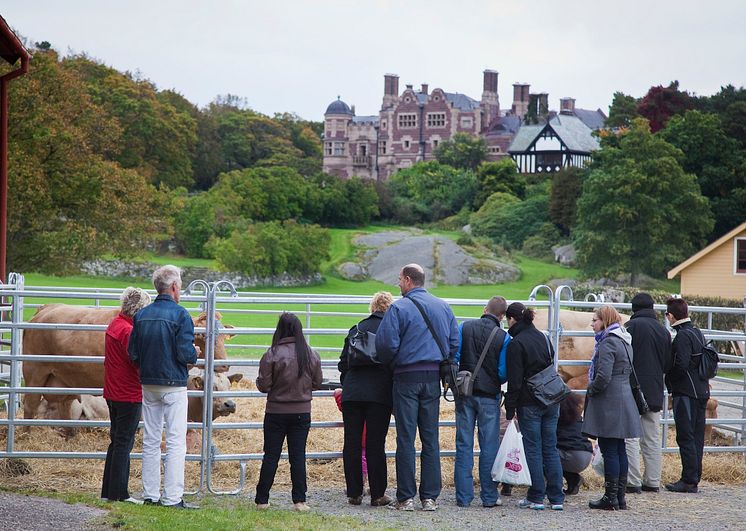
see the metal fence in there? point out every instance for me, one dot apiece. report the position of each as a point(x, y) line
point(221, 297)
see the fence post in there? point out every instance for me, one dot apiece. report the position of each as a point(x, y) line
point(556, 331)
point(16, 347)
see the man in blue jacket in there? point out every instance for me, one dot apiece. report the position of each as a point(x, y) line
point(483, 407)
point(415, 350)
point(162, 346)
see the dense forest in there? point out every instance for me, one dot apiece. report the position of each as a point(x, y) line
point(104, 163)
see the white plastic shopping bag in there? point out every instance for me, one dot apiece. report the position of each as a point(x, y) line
point(597, 463)
point(510, 464)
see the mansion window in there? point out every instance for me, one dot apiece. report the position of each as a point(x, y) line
point(328, 148)
point(406, 144)
point(407, 120)
point(467, 122)
point(339, 149)
point(741, 256)
point(436, 119)
point(382, 147)
point(383, 124)
point(494, 149)
point(435, 144)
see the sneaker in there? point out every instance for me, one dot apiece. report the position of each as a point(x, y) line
point(148, 501)
point(429, 504)
point(355, 500)
point(262, 506)
point(381, 502)
point(497, 503)
point(558, 507)
point(301, 507)
point(645, 488)
point(134, 500)
point(525, 504)
point(182, 505)
point(405, 505)
point(680, 486)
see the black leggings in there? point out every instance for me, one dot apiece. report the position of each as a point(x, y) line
point(614, 452)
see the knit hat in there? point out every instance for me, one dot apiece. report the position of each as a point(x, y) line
point(642, 301)
point(515, 310)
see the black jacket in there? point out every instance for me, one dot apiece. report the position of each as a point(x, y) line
point(365, 384)
point(683, 378)
point(651, 344)
point(474, 335)
point(527, 354)
point(570, 437)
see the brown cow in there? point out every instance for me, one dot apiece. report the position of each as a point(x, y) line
point(76, 343)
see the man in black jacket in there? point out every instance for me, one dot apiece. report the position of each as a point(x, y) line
point(690, 395)
point(483, 407)
point(651, 344)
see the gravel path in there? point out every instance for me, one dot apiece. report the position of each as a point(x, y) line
point(18, 511)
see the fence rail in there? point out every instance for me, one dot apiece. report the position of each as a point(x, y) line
point(221, 297)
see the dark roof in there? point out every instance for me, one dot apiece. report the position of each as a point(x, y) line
point(11, 48)
point(593, 119)
point(373, 119)
point(462, 101)
point(338, 107)
point(570, 129)
point(506, 124)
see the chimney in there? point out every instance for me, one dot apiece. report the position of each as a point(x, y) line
point(520, 99)
point(353, 110)
point(390, 91)
point(567, 105)
point(543, 103)
point(489, 89)
point(423, 89)
point(409, 87)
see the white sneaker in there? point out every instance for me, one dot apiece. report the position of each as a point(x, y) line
point(262, 506)
point(406, 505)
point(133, 500)
point(301, 507)
point(429, 505)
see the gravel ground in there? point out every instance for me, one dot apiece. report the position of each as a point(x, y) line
point(18, 511)
point(714, 507)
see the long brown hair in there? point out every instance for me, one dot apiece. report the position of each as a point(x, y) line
point(569, 412)
point(288, 325)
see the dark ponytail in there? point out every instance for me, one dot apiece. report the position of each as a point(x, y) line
point(288, 325)
point(519, 312)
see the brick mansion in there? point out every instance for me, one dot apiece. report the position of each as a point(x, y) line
point(411, 124)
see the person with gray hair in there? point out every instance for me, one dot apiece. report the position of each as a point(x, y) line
point(162, 346)
point(123, 396)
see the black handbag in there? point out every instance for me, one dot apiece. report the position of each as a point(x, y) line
point(362, 351)
point(547, 386)
point(640, 401)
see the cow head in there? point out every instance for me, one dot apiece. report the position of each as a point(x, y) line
point(199, 340)
point(221, 406)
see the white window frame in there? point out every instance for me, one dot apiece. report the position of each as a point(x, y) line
point(735, 255)
point(339, 146)
point(432, 123)
point(328, 149)
point(464, 120)
point(408, 118)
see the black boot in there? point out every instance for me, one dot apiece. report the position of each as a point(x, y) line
point(608, 501)
point(621, 492)
point(573, 482)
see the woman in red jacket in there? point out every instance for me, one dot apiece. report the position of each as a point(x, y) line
point(123, 394)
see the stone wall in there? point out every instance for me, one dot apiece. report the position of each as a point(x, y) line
point(144, 271)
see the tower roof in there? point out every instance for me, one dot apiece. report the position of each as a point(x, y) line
point(338, 107)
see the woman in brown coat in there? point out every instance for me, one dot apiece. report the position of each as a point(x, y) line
point(288, 372)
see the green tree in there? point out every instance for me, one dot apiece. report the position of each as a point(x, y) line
point(508, 221)
point(622, 111)
point(500, 176)
point(462, 150)
point(567, 185)
point(639, 212)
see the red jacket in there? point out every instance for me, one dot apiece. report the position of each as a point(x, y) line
point(121, 377)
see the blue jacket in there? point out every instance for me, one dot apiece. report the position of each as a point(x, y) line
point(403, 338)
point(162, 343)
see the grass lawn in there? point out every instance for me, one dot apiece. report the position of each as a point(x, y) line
point(534, 272)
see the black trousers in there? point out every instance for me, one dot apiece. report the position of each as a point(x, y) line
point(689, 416)
point(124, 419)
point(374, 418)
point(277, 426)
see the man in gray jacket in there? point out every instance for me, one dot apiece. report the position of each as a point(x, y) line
point(416, 334)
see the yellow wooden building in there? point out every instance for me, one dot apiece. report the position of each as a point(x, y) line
point(718, 270)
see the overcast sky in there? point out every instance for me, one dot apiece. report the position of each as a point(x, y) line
point(297, 56)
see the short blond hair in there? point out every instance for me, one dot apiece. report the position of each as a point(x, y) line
point(133, 300)
point(381, 301)
point(608, 315)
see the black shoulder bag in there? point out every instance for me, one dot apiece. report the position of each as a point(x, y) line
point(642, 403)
point(547, 386)
point(465, 379)
point(448, 370)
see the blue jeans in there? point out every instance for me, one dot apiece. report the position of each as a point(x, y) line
point(417, 406)
point(614, 452)
point(539, 429)
point(485, 412)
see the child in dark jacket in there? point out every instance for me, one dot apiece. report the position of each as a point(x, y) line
point(575, 449)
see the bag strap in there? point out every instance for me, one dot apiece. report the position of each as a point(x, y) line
point(626, 351)
point(485, 349)
point(430, 327)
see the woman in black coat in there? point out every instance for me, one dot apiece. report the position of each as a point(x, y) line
point(366, 404)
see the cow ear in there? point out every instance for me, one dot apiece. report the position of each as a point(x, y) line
point(198, 383)
point(200, 320)
point(236, 377)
